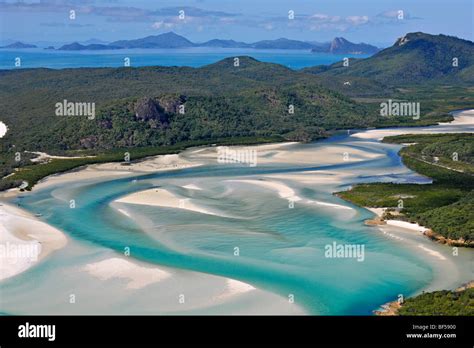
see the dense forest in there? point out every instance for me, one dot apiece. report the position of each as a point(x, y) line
point(440, 303)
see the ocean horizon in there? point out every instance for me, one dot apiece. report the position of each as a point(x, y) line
point(191, 57)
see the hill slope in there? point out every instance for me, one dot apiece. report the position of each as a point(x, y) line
point(221, 100)
point(416, 58)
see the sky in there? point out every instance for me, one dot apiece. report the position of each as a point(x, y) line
point(378, 22)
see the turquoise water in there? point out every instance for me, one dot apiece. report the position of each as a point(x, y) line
point(194, 57)
point(281, 249)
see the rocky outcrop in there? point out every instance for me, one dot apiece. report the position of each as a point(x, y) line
point(171, 103)
point(150, 111)
point(89, 142)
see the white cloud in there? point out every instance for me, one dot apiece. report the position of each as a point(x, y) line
point(157, 25)
point(321, 21)
point(390, 14)
point(320, 16)
point(357, 20)
point(268, 26)
point(396, 15)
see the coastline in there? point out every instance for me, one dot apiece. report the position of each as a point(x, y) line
point(413, 226)
point(20, 229)
point(463, 117)
point(148, 165)
point(391, 308)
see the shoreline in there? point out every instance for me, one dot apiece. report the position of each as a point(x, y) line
point(413, 226)
point(20, 230)
point(461, 117)
point(25, 240)
point(142, 166)
point(391, 308)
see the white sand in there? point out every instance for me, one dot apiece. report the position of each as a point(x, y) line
point(124, 212)
point(43, 156)
point(110, 170)
point(287, 192)
point(283, 190)
point(20, 230)
point(163, 198)
point(390, 234)
point(234, 288)
point(465, 117)
point(432, 252)
point(116, 274)
point(378, 211)
point(402, 224)
point(149, 165)
point(283, 153)
point(462, 117)
point(19, 227)
point(192, 187)
point(42, 238)
point(311, 177)
point(331, 154)
point(407, 225)
point(137, 276)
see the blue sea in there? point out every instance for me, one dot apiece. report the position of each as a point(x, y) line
point(193, 57)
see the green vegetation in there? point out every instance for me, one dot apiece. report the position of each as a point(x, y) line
point(221, 102)
point(440, 303)
point(137, 108)
point(33, 173)
point(455, 151)
point(447, 205)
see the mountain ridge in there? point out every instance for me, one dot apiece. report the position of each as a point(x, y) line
point(413, 58)
point(173, 40)
point(340, 45)
point(19, 45)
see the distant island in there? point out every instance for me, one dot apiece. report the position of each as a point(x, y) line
point(342, 46)
point(18, 44)
point(172, 40)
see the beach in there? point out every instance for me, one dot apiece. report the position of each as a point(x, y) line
point(21, 228)
point(216, 209)
point(214, 294)
point(25, 240)
point(461, 118)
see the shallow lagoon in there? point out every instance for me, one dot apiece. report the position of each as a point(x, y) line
point(281, 250)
